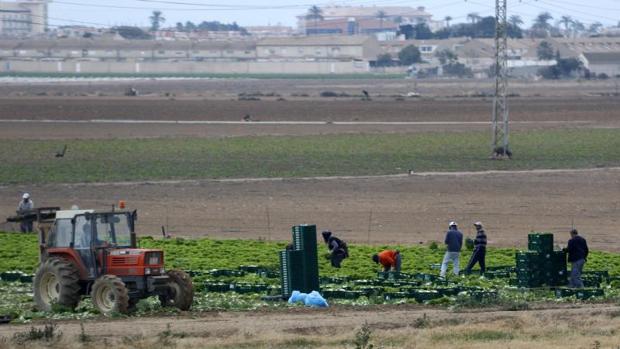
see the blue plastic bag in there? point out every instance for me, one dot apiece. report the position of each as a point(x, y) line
point(296, 297)
point(314, 299)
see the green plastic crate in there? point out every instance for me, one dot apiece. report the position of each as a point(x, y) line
point(11, 276)
point(394, 295)
point(291, 279)
point(425, 295)
point(579, 293)
point(540, 242)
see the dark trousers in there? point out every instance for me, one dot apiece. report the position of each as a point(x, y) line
point(478, 257)
point(575, 274)
point(337, 257)
point(25, 226)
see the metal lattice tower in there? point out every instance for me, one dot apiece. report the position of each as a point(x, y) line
point(500, 102)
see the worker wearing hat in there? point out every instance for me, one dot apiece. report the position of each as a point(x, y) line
point(454, 243)
point(25, 205)
point(480, 250)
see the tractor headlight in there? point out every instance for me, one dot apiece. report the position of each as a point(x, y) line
point(147, 271)
point(153, 258)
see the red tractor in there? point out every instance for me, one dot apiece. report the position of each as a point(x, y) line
point(95, 253)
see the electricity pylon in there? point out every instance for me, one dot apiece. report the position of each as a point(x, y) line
point(500, 101)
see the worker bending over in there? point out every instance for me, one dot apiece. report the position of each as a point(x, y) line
point(389, 259)
point(338, 250)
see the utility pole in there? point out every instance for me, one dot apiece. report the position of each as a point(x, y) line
point(500, 101)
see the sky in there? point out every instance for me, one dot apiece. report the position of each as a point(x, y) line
point(251, 13)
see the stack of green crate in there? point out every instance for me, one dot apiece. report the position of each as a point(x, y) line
point(290, 277)
point(541, 265)
point(299, 268)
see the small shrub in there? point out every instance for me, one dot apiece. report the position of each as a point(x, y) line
point(329, 94)
point(362, 337)
point(488, 335)
point(49, 334)
point(433, 246)
point(422, 322)
point(469, 244)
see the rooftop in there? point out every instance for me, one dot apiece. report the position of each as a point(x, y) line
point(371, 11)
point(603, 57)
point(322, 40)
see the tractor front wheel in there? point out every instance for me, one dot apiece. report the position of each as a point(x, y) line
point(181, 291)
point(57, 281)
point(110, 295)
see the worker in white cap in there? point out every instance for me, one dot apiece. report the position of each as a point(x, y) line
point(24, 207)
point(454, 243)
point(480, 250)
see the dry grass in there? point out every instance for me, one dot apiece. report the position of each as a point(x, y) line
point(575, 328)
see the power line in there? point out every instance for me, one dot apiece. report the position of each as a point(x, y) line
point(572, 10)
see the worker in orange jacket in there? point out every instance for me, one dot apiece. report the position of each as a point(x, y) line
point(389, 259)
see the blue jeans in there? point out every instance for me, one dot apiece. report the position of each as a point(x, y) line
point(575, 274)
point(447, 258)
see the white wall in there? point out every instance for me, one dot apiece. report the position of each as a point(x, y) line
point(185, 67)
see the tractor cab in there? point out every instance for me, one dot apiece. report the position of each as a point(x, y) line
point(101, 251)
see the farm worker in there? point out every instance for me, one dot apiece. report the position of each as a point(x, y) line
point(25, 205)
point(480, 250)
point(454, 242)
point(338, 249)
point(389, 259)
point(578, 255)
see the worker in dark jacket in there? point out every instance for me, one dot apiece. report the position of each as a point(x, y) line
point(338, 249)
point(389, 259)
point(480, 250)
point(577, 255)
point(454, 243)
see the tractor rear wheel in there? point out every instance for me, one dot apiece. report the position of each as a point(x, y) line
point(181, 291)
point(110, 295)
point(57, 281)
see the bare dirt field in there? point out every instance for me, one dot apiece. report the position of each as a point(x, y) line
point(297, 88)
point(380, 210)
point(595, 326)
point(391, 209)
point(454, 115)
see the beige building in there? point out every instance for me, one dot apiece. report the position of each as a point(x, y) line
point(355, 20)
point(23, 18)
point(188, 57)
point(607, 63)
point(126, 50)
point(317, 48)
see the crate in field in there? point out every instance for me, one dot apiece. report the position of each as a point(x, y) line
point(394, 295)
point(424, 295)
point(540, 242)
point(579, 293)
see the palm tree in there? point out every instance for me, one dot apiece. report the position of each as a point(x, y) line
point(566, 21)
point(447, 19)
point(542, 21)
point(315, 14)
point(595, 27)
point(515, 20)
point(577, 27)
point(156, 20)
point(473, 17)
point(381, 15)
point(541, 27)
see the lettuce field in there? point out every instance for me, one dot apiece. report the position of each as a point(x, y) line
point(237, 274)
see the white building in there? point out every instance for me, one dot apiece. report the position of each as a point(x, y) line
point(23, 18)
